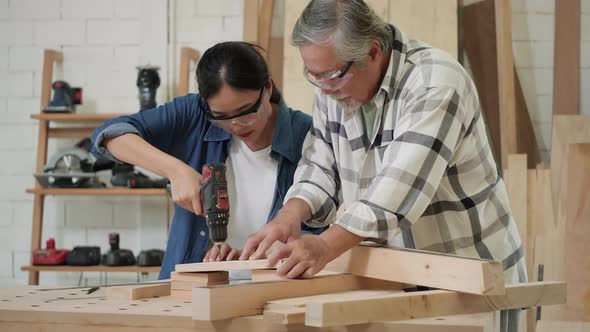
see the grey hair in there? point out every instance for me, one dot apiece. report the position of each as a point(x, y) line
point(348, 25)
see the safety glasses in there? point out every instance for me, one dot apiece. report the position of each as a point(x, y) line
point(244, 119)
point(333, 80)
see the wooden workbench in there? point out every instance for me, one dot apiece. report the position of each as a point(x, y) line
point(36, 309)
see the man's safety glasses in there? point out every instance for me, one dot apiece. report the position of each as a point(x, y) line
point(332, 80)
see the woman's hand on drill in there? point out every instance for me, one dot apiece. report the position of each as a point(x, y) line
point(221, 253)
point(185, 185)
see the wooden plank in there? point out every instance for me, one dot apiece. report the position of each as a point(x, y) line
point(271, 275)
point(567, 130)
point(70, 132)
point(138, 292)
point(429, 304)
point(76, 117)
point(506, 93)
point(423, 268)
point(516, 178)
point(437, 25)
point(250, 21)
point(480, 46)
point(564, 326)
point(258, 264)
point(200, 277)
point(187, 55)
point(577, 233)
point(96, 268)
point(228, 301)
point(566, 75)
point(265, 24)
point(50, 57)
point(100, 191)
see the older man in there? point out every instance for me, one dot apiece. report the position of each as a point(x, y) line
point(398, 139)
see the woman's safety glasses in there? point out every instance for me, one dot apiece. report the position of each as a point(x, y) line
point(244, 119)
point(333, 80)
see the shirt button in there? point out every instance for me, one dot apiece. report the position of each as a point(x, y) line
point(202, 233)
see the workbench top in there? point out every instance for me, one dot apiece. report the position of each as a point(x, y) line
point(34, 308)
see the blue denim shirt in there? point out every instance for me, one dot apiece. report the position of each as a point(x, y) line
point(182, 130)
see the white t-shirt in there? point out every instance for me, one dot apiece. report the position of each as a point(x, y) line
point(251, 178)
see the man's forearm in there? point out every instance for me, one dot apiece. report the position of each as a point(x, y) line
point(296, 210)
point(339, 240)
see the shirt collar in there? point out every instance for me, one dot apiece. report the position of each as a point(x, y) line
point(282, 140)
point(394, 72)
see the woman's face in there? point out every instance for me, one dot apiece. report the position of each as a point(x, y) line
point(253, 104)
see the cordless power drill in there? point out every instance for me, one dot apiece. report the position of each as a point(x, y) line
point(215, 201)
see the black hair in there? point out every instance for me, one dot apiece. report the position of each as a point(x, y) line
point(237, 64)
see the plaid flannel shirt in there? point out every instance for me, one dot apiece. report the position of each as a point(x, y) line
point(426, 179)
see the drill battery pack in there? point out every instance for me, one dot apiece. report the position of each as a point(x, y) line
point(50, 255)
point(152, 257)
point(84, 256)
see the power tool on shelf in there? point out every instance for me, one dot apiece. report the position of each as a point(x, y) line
point(117, 256)
point(215, 201)
point(65, 98)
point(50, 255)
point(151, 257)
point(84, 256)
point(148, 82)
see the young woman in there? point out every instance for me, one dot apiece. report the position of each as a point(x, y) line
point(238, 119)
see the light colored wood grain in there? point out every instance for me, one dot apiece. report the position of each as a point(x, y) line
point(562, 326)
point(76, 117)
point(250, 21)
point(479, 27)
point(95, 268)
point(200, 276)
point(566, 60)
point(432, 21)
point(99, 192)
point(70, 132)
point(567, 130)
point(138, 292)
point(577, 233)
point(259, 264)
point(506, 94)
point(422, 268)
point(222, 302)
point(271, 275)
point(187, 55)
point(429, 304)
point(516, 178)
point(265, 24)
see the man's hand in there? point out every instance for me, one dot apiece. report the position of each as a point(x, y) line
point(306, 256)
point(285, 227)
point(221, 253)
point(279, 229)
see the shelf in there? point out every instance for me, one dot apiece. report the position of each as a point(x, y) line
point(99, 191)
point(75, 117)
point(95, 268)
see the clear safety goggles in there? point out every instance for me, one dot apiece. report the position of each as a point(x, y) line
point(333, 80)
point(243, 119)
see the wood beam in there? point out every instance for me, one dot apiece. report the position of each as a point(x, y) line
point(404, 306)
point(137, 292)
point(566, 78)
point(423, 268)
point(258, 264)
point(237, 300)
point(505, 79)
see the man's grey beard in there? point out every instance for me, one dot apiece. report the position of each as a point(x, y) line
point(351, 105)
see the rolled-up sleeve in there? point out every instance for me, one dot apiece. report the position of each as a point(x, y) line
point(316, 180)
point(413, 164)
point(162, 126)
